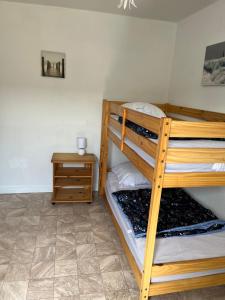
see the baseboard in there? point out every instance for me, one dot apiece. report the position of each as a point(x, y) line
point(14, 189)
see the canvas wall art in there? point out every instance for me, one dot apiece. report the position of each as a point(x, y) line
point(53, 64)
point(214, 65)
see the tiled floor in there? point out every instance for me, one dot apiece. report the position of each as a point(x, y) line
point(66, 252)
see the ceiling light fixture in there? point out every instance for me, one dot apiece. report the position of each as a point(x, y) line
point(126, 3)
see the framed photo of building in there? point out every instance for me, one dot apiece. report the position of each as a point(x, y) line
point(52, 64)
point(214, 65)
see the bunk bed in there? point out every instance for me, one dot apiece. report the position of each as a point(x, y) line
point(208, 125)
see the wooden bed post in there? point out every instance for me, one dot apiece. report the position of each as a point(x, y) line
point(155, 206)
point(104, 147)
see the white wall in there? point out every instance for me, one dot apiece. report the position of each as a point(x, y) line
point(204, 28)
point(106, 56)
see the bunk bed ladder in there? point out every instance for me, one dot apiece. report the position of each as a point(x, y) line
point(154, 206)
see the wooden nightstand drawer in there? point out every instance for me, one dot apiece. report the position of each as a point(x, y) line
point(73, 194)
point(73, 172)
point(72, 183)
point(59, 182)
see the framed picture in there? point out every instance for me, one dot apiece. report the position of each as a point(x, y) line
point(53, 64)
point(214, 65)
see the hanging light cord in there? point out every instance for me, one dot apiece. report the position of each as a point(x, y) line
point(126, 3)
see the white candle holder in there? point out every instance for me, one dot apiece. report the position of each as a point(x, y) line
point(81, 145)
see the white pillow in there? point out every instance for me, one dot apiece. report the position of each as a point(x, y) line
point(115, 186)
point(146, 108)
point(128, 175)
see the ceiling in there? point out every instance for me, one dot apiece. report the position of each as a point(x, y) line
point(168, 10)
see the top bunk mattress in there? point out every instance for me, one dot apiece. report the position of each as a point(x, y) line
point(181, 167)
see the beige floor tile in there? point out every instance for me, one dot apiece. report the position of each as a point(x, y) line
point(43, 269)
point(40, 289)
point(48, 229)
point(25, 241)
point(130, 280)
point(81, 209)
point(18, 272)
point(88, 265)
point(65, 267)
point(14, 222)
point(22, 256)
point(103, 235)
point(16, 212)
point(63, 228)
point(65, 286)
point(15, 290)
point(90, 284)
point(82, 227)
point(30, 220)
point(84, 237)
point(93, 297)
point(109, 263)
point(7, 241)
point(48, 221)
point(121, 295)
point(45, 240)
point(86, 250)
point(65, 240)
point(114, 281)
point(44, 254)
point(107, 248)
point(66, 209)
point(66, 218)
point(65, 253)
point(30, 229)
point(124, 262)
point(3, 271)
point(5, 256)
point(77, 297)
point(81, 219)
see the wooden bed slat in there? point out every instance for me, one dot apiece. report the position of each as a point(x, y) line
point(190, 266)
point(196, 113)
point(146, 121)
point(139, 163)
point(114, 138)
point(115, 108)
point(197, 129)
point(186, 284)
point(145, 144)
point(206, 179)
point(115, 124)
point(195, 155)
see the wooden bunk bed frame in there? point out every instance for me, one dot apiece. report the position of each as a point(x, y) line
point(212, 125)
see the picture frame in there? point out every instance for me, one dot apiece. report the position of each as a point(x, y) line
point(52, 64)
point(214, 65)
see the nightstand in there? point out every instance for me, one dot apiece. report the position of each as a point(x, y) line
point(72, 177)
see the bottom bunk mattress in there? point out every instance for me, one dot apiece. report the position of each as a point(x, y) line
point(167, 249)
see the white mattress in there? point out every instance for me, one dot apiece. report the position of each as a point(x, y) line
point(168, 249)
point(173, 168)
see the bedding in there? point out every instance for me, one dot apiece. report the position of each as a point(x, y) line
point(146, 108)
point(128, 175)
point(180, 214)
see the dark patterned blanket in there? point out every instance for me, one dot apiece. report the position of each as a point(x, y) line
point(180, 214)
point(151, 135)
